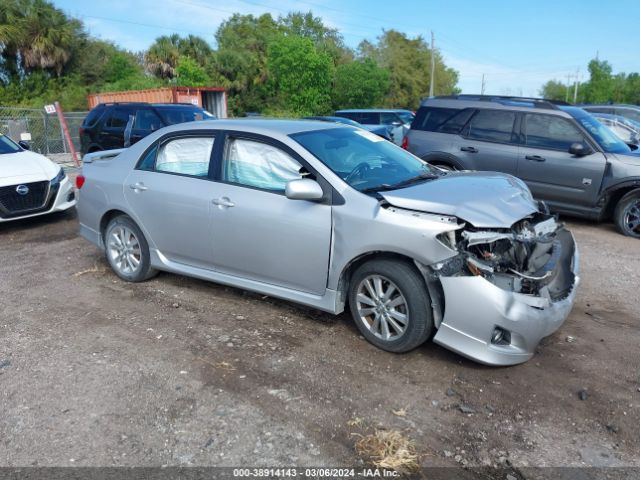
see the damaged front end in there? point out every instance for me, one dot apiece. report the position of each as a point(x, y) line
point(505, 289)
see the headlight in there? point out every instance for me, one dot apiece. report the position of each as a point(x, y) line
point(59, 177)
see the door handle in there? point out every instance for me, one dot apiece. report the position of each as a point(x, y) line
point(536, 158)
point(223, 202)
point(469, 149)
point(138, 187)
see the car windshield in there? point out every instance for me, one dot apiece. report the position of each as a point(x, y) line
point(407, 117)
point(365, 161)
point(602, 134)
point(182, 114)
point(8, 146)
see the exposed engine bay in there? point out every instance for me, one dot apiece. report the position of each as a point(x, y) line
point(524, 259)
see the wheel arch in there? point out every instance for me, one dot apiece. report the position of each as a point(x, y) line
point(443, 157)
point(614, 194)
point(108, 216)
point(344, 281)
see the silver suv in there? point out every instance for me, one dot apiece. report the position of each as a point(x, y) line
point(330, 215)
point(566, 157)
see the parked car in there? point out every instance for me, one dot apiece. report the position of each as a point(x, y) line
point(332, 216)
point(117, 125)
point(30, 184)
point(627, 130)
point(568, 159)
point(380, 130)
point(632, 112)
point(397, 120)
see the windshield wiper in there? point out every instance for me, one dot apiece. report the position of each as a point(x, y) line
point(403, 183)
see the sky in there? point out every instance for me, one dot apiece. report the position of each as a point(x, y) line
point(518, 45)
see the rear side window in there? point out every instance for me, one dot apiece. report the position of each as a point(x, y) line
point(93, 116)
point(546, 131)
point(182, 114)
point(369, 118)
point(629, 113)
point(350, 115)
point(443, 120)
point(492, 125)
point(147, 120)
point(119, 118)
point(185, 156)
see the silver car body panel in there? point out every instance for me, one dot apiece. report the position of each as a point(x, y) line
point(300, 250)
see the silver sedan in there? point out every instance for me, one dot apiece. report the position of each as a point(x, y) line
point(335, 217)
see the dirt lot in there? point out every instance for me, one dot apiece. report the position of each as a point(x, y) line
point(176, 371)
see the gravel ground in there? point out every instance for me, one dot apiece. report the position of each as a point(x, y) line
point(177, 371)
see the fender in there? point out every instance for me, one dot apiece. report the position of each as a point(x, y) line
point(443, 157)
point(615, 191)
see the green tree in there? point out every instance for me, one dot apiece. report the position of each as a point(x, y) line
point(190, 74)
point(360, 84)
point(36, 36)
point(240, 62)
point(301, 75)
point(409, 63)
point(555, 90)
point(196, 48)
point(600, 86)
point(162, 57)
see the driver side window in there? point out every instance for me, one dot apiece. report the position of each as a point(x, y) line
point(259, 165)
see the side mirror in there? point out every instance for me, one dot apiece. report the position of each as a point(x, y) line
point(579, 149)
point(303, 189)
point(24, 145)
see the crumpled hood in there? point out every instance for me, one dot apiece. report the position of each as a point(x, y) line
point(25, 167)
point(483, 199)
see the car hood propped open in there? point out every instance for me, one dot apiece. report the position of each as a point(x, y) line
point(485, 200)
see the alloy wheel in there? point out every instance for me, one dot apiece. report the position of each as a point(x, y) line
point(382, 307)
point(124, 250)
point(632, 217)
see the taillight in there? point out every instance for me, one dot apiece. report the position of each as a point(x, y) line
point(405, 142)
point(79, 181)
point(81, 131)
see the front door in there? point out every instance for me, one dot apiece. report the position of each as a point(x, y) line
point(260, 234)
point(550, 171)
point(169, 194)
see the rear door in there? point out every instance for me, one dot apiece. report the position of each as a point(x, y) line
point(260, 234)
point(112, 134)
point(170, 194)
point(146, 122)
point(550, 171)
point(489, 142)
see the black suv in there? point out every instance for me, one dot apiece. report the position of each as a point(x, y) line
point(566, 157)
point(117, 125)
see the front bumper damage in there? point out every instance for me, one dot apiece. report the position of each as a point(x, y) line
point(497, 313)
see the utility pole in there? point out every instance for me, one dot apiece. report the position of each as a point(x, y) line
point(575, 89)
point(483, 85)
point(566, 97)
point(433, 63)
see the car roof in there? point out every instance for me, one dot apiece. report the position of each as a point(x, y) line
point(390, 110)
point(263, 126)
point(511, 103)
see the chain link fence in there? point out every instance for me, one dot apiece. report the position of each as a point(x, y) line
point(44, 129)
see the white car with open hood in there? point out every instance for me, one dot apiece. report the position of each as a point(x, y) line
point(31, 184)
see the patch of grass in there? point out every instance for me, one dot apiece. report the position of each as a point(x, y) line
point(389, 449)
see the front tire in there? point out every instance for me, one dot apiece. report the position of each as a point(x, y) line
point(127, 251)
point(390, 305)
point(627, 214)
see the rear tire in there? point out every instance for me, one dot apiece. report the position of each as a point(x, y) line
point(627, 214)
point(390, 305)
point(127, 251)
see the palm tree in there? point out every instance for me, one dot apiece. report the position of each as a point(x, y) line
point(195, 47)
point(37, 35)
point(162, 57)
